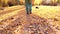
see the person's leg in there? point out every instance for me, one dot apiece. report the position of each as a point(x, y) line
point(30, 8)
point(27, 9)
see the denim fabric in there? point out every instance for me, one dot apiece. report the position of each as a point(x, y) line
point(28, 7)
point(28, 1)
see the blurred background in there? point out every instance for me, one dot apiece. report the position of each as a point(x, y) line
point(4, 3)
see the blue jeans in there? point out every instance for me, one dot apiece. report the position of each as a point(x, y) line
point(28, 7)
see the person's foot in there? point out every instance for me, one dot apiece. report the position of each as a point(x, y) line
point(27, 13)
point(30, 12)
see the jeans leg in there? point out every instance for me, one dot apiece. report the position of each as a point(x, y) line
point(27, 8)
point(30, 8)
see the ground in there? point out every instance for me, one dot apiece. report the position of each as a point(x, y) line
point(43, 20)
